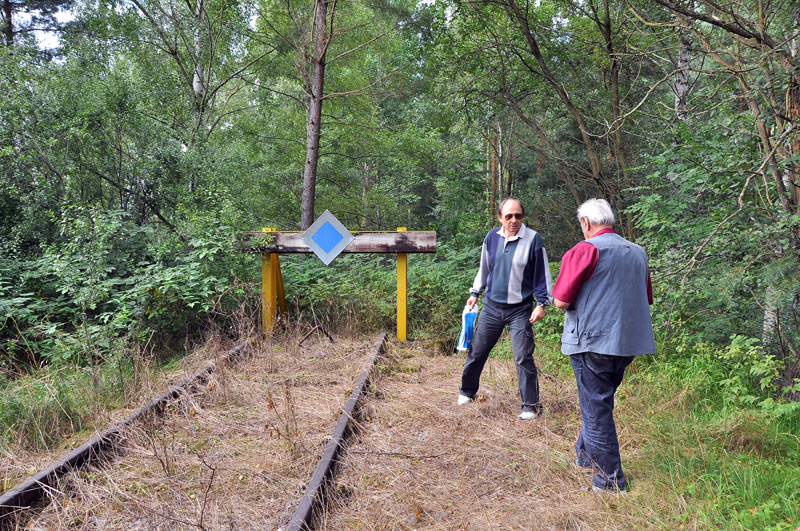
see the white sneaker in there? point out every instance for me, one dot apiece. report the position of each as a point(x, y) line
point(527, 415)
point(463, 399)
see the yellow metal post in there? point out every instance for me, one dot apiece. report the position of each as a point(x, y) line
point(269, 289)
point(279, 280)
point(402, 290)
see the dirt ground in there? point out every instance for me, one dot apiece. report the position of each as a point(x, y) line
point(238, 454)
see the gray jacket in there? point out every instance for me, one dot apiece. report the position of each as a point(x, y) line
point(611, 313)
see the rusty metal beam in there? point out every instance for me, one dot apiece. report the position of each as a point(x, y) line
point(363, 242)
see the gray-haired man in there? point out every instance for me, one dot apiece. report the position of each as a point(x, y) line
point(604, 286)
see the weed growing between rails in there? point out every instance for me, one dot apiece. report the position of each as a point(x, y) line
point(283, 425)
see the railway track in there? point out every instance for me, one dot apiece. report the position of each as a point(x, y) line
point(232, 445)
point(254, 443)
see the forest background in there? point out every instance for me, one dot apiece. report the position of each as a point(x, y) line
point(134, 150)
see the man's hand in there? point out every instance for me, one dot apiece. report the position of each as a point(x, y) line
point(471, 301)
point(538, 314)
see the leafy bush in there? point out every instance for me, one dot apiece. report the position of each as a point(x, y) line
point(108, 278)
point(722, 258)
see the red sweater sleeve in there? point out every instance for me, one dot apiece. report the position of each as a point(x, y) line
point(577, 266)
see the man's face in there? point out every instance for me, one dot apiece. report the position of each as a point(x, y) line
point(511, 218)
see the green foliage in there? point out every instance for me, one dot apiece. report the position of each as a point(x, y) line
point(438, 288)
point(109, 278)
point(721, 250)
point(748, 377)
point(121, 186)
point(726, 443)
point(354, 292)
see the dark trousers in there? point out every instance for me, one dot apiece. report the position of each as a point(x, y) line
point(491, 322)
point(598, 377)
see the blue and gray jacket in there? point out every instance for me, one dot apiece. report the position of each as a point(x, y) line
point(514, 270)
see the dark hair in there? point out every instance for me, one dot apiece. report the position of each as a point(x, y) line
point(506, 200)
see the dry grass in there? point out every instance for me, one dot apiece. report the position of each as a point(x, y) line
point(238, 455)
point(422, 462)
point(234, 456)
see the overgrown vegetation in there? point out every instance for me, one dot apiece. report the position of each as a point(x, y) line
point(710, 429)
point(132, 153)
point(722, 447)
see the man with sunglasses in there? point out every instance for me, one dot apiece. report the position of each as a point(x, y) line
point(604, 286)
point(513, 270)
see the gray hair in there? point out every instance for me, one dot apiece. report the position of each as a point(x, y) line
point(598, 211)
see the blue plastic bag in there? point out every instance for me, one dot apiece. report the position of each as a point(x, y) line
point(468, 317)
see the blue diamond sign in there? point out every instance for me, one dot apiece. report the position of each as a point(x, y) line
point(327, 237)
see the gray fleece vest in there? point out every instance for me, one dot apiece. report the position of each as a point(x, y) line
point(611, 314)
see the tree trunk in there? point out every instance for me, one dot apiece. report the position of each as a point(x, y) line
point(493, 184)
point(770, 318)
point(681, 86)
point(509, 169)
point(501, 167)
point(540, 159)
point(8, 28)
point(619, 154)
point(366, 188)
point(487, 161)
point(197, 81)
point(793, 109)
point(314, 114)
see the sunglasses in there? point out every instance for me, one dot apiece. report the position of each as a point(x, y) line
point(515, 215)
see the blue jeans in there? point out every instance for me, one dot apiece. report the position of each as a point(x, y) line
point(598, 377)
point(491, 322)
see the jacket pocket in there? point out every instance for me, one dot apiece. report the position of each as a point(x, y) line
point(595, 333)
point(571, 335)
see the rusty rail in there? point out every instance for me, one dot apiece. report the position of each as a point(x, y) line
point(31, 491)
point(14, 502)
point(302, 518)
